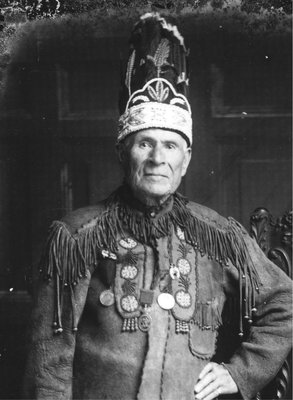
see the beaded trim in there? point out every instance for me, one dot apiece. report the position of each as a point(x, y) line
point(160, 107)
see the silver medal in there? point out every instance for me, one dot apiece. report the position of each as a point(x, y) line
point(107, 298)
point(166, 301)
point(144, 322)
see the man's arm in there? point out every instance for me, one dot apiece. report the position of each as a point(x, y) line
point(264, 350)
point(68, 261)
point(268, 342)
point(48, 372)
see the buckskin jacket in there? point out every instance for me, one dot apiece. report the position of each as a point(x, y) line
point(133, 302)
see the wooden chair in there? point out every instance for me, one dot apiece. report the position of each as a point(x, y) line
point(275, 239)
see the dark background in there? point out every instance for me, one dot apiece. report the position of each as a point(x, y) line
point(58, 128)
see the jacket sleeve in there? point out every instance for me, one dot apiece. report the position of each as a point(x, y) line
point(268, 341)
point(48, 373)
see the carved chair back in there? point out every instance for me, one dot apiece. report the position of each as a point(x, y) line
point(274, 236)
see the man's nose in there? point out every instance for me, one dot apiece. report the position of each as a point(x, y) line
point(157, 155)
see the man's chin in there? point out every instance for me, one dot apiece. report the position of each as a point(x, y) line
point(152, 196)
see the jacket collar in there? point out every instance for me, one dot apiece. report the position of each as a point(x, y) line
point(153, 212)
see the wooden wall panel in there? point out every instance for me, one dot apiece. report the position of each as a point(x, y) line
point(264, 183)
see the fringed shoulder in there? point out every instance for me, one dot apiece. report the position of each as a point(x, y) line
point(208, 215)
point(225, 241)
point(84, 217)
point(69, 251)
point(63, 252)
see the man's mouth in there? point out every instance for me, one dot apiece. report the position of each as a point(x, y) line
point(151, 174)
point(155, 177)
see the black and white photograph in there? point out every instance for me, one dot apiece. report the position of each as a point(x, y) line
point(146, 199)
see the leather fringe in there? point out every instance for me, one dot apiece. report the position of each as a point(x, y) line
point(67, 256)
point(207, 316)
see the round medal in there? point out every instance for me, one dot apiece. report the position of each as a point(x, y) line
point(166, 301)
point(144, 322)
point(107, 298)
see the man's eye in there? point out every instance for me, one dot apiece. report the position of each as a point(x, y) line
point(144, 145)
point(170, 146)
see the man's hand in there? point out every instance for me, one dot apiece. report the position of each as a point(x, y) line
point(214, 380)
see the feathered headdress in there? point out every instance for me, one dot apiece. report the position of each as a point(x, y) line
point(154, 91)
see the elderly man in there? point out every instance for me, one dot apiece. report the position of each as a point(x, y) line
point(149, 296)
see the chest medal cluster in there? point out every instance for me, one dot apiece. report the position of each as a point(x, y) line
point(178, 291)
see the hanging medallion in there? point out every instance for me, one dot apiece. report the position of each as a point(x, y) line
point(144, 322)
point(107, 298)
point(166, 301)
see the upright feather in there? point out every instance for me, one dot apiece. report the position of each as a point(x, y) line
point(161, 55)
point(129, 71)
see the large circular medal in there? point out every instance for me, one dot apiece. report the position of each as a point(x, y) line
point(107, 298)
point(166, 301)
point(144, 322)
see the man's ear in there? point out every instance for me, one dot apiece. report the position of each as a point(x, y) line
point(120, 150)
point(186, 161)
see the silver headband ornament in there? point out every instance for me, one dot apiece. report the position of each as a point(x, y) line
point(154, 69)
point(156, 105)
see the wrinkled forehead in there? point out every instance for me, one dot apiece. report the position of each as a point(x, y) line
point(156, 135)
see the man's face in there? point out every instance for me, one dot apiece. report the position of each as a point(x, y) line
point(156, 161)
